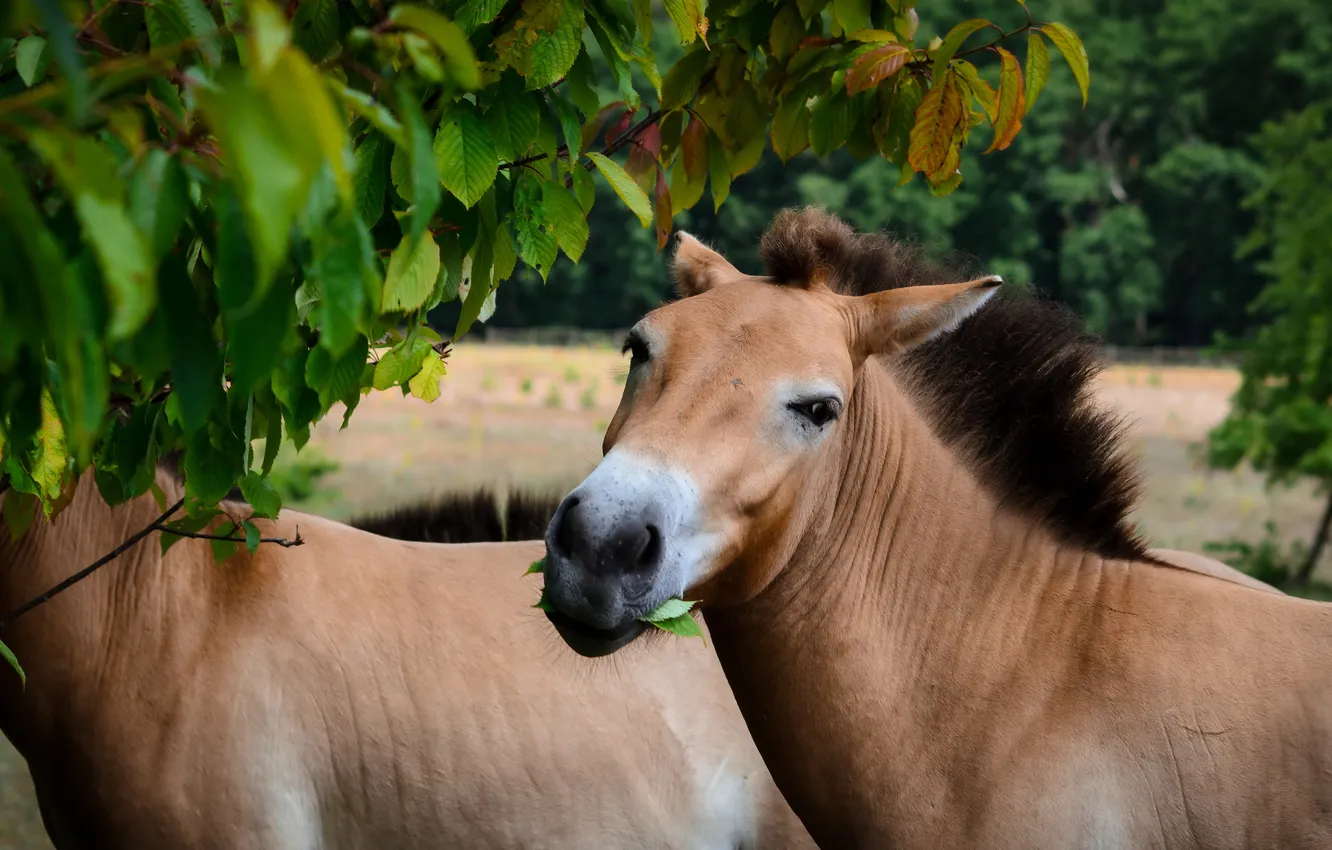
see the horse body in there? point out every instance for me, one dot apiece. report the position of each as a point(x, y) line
point(353, 692)
point(919, 573)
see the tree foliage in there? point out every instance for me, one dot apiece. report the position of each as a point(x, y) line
point(223, 218)
point(1281, 416)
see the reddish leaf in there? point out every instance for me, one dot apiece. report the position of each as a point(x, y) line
point(620, 126)
point(937, 120)
point(694, 149)
point(593, 127)
point(662, 202)
point(813, 41)
point(1009, 102)
point(644, 152)
point(876, 66)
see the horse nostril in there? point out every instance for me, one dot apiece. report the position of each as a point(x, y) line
point(566, 532)
point(651, 551)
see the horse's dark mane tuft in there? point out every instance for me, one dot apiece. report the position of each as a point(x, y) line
point(1010, 390)
point(476, 517)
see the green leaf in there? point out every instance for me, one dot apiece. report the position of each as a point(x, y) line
point(272, 175)
point(682, 81)
point(412, 271)
point(336, 378)
point(252, 536)
point(875, 66)
point(190, 525)
point(158, 200)
point(196, 367)
point(13, 662)
point(172, 21)
point(580, 84)
point(369, 178)
point(687, 15)
point(478, 272)
point(790, 129)
point(1038, 67)
point(513, 119)
point(1009, 109)
point(371, 110)
point(830, 122)
point(786, 31)
point(536, 567)
point(301, 101)
point(211, 469)
point(852, 15)
point(65, 52)
point(584, 189)
point(474, 13)
point(90, 177)
point(1070, 47)
point(951, 42)
point(399, 364)
point(344, 270)
point(447, 36)
point(31, 59)
point(554, 53)
point(20, 509)
point(683, 626)
point(980, 89)
point(315, 28)
point(424, 167)
point(567, 217)
point(569, 125)
point(543, 603)
point(893, 131)
point(719, 172)
point(634, 197)
point(260, 495)
point(668, 610)
point(465, 153)
point(937, 120)
point(255, 337)
point(537, 239)
point(425, 384)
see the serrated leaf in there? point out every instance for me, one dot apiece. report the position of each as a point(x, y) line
point(567, 217)
point(260, 495)
point(31, 59)
point(1009, 106)
point(13, 662)
point(411, 275)
point(624, 186)
point(951, 42)
point(315, 28)
point(851, 15)
point(252, 536)
point(89, 176)
point(687, 15)
point(255, 337)
point(425, 383)
point(790, 129)
point(171, 21)
point(936, 122)
point(369, 177)
point(830, 122)
point(584, 189)
point(190, 525)
point(580, 84)
point(979, 88)
point(465, 153)
point(513, 120)
point(398, 365)
point(1070, 47)
point(682, 80)
point(537, 241)
point(554, 53)
point(569, 125)
point(874, 67)
point(422, 155)
point(473, 14)
point(536, 567)
point(1038, 68)
point(682, 626)
point(668, 610)
point(344, 271)
point(543, 603)
point(447, 36)
point(335, 378)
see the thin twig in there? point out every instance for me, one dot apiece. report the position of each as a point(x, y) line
point(91, 568)
point(195, 535)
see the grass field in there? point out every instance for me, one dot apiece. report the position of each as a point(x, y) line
point(524, 416)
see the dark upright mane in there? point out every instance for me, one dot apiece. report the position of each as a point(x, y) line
point(476, 517)
point(1009, 390)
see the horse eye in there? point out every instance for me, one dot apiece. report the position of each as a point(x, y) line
point(819, 412)
point(637, 350)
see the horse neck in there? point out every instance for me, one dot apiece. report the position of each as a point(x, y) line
point(908, 609)
point(77, 641)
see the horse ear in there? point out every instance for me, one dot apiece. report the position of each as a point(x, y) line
point(898, 320)
point(697, 268)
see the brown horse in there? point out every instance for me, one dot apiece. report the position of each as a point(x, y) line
point(905, 522)
point(354, 692)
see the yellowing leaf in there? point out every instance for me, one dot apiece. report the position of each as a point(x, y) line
point(851, 15)
point(872, 36)
point(1009, 101)
point(31, 59)
point(447, 36)
point(786, 31)
point(790, 129)
point(1070, 47)
point(681, 83)
point(400, 364)
point(951, 42)
point(425, 384)
point(936, 122)
point(634, 197)
point(465, 153)
point(687, 15)
point(411, 274)
point(979, 88)
point(876, 66)
point(1038, 67)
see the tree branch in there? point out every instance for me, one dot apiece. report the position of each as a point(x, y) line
point(91, 568)
point(616, 144)
point(196, 535)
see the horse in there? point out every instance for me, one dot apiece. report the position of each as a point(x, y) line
point(354, 692)
point(889, 490)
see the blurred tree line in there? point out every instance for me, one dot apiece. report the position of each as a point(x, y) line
point(1130, 210)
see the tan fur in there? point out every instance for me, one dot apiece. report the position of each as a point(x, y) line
point(923, 667)
point(352, 692)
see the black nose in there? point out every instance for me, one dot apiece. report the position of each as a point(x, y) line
point(606, 545)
